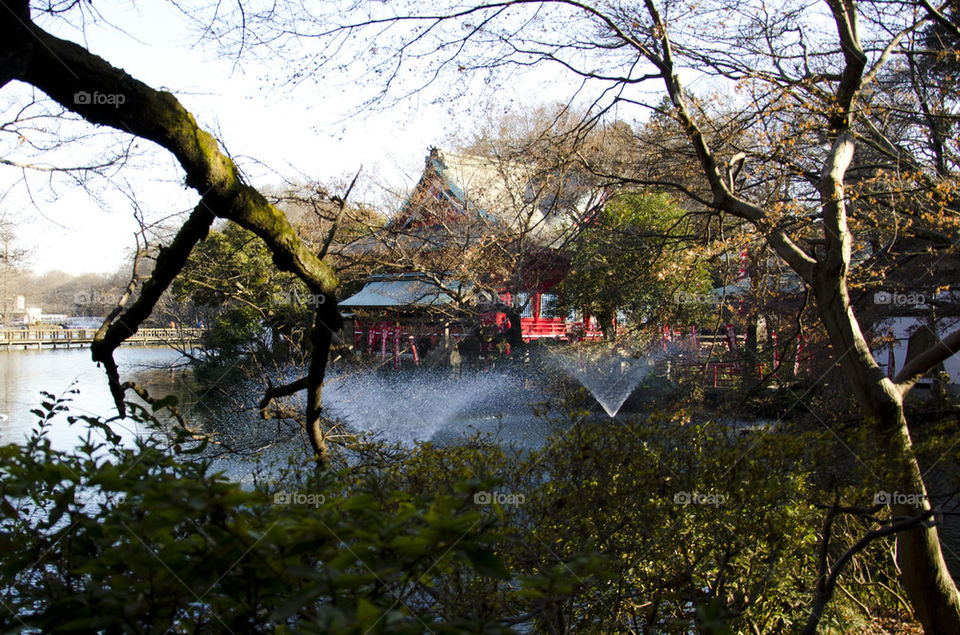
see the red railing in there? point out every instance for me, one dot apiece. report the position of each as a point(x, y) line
point(534, 328)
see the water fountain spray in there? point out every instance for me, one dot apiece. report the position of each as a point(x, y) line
point(611, 374)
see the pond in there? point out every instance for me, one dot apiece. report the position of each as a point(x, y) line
point(395, 406)
point(25, 373)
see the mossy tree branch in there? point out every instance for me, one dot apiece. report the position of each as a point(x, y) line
point(71, 75)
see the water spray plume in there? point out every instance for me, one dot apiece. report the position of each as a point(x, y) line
point(609, 374)
point(431, 405)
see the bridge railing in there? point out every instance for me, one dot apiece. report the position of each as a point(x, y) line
point(34, 335)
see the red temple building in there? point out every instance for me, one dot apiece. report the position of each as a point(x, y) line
point(464, 203)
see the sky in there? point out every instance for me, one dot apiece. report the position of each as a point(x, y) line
point(273, 131)
point(273, 134)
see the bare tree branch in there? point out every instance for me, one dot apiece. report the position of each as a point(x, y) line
point(926, 361)
point(144, 112)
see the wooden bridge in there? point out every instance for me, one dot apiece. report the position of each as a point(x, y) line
point(66, 338)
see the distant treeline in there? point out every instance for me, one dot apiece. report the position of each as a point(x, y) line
point(76, 295)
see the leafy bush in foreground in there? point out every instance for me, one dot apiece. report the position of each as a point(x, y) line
point(659, 525)
point(700, 527)
point(148, 539)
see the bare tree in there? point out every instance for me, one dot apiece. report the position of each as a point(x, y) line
point(102, 94)
point(12, 260)
point(824, 263)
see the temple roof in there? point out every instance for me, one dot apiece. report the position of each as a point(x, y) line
point(462, 189)
point(395, 291)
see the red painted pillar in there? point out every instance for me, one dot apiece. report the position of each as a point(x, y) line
point(413, 349)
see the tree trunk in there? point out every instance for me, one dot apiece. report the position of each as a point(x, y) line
point(931, 590)
point(924, 574)
point(515, 334)
point(605, 321)
point(327, 322)
point(31, 55)
point(922, 340)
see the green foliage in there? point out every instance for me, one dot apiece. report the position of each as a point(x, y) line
point(637, 256)
point(241, 297)
point(684, 526)
point(613, 490)
point(149, 539)
point(662, 525)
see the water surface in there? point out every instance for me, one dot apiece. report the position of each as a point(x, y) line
point(25, 373)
